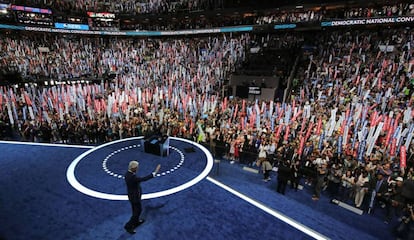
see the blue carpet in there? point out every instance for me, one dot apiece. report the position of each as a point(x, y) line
point(37, 202)
point(323, 216)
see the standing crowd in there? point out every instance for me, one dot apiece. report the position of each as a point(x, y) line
point(346, 130)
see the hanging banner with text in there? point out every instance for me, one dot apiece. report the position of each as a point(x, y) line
point(368, 21)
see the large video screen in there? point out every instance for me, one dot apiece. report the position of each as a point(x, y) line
point(5, 13)
point(32, 16)
point(103, 21)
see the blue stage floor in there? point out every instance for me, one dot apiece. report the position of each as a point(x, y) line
point(38, 202)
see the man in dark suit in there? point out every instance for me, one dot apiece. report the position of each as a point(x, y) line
point(377, 190)
point(283, 176)
point(288, 152)
point(134, 194)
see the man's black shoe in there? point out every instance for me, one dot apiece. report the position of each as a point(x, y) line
point(131, 231)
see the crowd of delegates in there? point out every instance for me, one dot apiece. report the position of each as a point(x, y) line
point(275, 16)
point(291, 17)
point(70, 57)
point(184, 72)
point(164, 6)
point(125, 6)
point(400, 9)
point(347, 129)
point(171, 6)
point(350, 71)
point(319, 14)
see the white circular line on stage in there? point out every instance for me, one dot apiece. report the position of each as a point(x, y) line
point(70, 174)
point(119, 176)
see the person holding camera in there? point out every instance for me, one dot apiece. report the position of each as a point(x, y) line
point(405, 229)
point(395, 201)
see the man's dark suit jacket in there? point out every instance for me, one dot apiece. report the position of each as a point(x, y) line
point(283, 173)
point(134, 185)
point(373, 184)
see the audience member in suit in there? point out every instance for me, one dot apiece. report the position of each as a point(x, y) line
point(288, 152)
point(133, 183)
point(283, 176)
point(295, 176)
point(306, 159)
point(377, 190)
